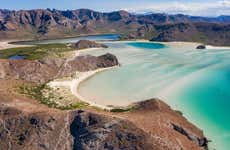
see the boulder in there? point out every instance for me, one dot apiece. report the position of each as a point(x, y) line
point(201, 47)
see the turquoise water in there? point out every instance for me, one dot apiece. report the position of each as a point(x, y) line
point(209, 97)
point(193, 81)
point(146, 45)
point(197, 82)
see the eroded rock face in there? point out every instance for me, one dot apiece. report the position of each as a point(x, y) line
point(92, 131)
point(202, 142)
point(43, 71)
point(82, 44)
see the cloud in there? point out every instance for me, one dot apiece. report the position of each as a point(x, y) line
point(191, 8)
point(225, 3)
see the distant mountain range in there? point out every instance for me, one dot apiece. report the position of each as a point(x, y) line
point(47, 23)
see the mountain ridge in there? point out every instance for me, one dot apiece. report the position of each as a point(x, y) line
point(47, 23)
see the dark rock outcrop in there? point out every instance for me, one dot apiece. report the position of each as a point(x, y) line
point(82, 44)
point(201, 47)
point(167, 126)
point(203, 142)
point(92, 131)
point(46, 70)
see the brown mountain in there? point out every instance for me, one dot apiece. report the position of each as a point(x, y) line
point(43, 24)
point(25, 124)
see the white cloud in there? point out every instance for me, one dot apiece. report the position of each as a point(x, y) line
point(225, 2)
point(201, 9)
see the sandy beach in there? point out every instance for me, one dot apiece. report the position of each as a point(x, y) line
point(217, 47)
point(193, 44)
point(74, 83)
point(5, 45)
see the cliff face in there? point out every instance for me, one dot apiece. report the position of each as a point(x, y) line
point(43, 71)
point(167, 127)
point(48, 23)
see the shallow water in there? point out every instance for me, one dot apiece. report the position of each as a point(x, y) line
point(107, 37)
point(16, 57)
point(193, 81)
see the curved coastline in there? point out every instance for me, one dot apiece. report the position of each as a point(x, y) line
point(74, 84)
point(85, 76)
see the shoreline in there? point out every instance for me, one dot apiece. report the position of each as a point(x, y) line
point(175, 43)
point(60, 38)
point(7, 44)
point(75, 82)
point(78, 52)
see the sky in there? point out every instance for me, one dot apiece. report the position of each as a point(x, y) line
point(189, 7)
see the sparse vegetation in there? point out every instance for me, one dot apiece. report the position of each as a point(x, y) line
point(37, 92)
point(36, 52)
point(179, 112)
point(117, 110)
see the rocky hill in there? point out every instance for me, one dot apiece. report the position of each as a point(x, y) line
point(42, 24)
point(78, 130)
point(214, 34)
point(82, 44)
point(25, 124)
point(42, 71)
